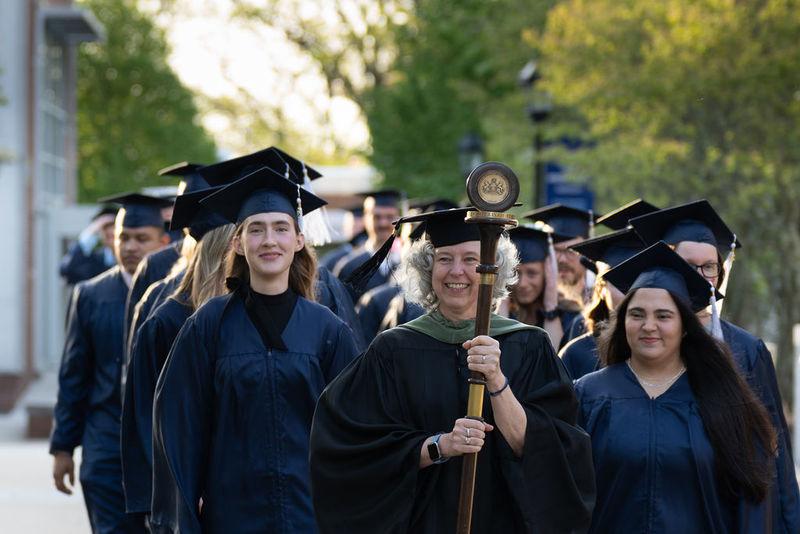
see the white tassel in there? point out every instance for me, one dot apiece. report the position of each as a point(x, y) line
point(716, 324)
point(551, 254)
point(728, 263)
point(318, 229)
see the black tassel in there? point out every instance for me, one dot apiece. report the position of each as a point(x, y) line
point(359, 278)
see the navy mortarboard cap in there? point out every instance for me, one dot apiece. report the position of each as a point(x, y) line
point(564, 220)
point(612, 249)
point(188, 173)
point(261, 191)
point(533, 243)
point(105, 210)
point(658, 266)
point(279, 161)
point(696, 221)
point(138, 209)
point(385, 197)
point(618, 219)
point(189, 213)
point(442, 228)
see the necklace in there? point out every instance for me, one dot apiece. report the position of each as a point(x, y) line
point(666, 383)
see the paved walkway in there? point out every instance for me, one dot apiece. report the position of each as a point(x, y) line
point(29, 504)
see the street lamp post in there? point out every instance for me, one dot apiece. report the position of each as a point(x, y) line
point(470, 152)
point(538, 109)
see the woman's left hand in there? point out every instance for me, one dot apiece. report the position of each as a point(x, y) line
point(483, 356)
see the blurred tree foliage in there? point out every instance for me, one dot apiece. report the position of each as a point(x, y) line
point(134, 116)
point(690, 99)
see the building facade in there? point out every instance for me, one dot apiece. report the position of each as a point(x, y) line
point(38, 215)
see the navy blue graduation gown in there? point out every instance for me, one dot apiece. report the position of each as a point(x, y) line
point(87, 412)
point(580, 356)
point(353, 261)
point(334, 295)
point(76, 266)
point(151, 269)
point(653, 461)
point(371, 422)
point(150, 348)
point(152, 298)
point(575, 329)
point(384, 307)
point(331, 258)
point(232, 420)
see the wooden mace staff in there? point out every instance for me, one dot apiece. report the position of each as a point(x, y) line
point(492, 188)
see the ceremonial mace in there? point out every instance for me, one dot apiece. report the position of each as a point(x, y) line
point(492, 188)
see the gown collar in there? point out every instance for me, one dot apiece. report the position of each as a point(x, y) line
point(437, 326)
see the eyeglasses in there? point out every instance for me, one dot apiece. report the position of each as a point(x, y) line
point(709, 270)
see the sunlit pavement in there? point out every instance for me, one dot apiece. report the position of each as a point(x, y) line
point(29, 503)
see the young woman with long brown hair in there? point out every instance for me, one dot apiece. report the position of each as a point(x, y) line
point(234, 402)
point(680, 442)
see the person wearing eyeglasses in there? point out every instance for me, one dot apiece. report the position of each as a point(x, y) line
point(699, 235)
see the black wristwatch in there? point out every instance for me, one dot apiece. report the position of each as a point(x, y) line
point(434, 452)
point(549, 315)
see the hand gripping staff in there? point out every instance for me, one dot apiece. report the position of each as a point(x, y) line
point(492, 188)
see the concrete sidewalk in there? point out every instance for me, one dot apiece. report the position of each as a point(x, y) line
point(29, 503)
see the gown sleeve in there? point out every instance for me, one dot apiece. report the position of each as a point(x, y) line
point(364, 454)
point(74, 380)
point(553, 482)
point(182, 415)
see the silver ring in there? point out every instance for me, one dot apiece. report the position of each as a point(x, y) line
point(467, 439)
point(467, 432)
point(483, 359)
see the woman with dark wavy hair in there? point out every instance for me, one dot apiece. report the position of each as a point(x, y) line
point(680, 442)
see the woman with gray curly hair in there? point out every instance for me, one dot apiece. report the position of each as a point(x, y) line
point(389, 432)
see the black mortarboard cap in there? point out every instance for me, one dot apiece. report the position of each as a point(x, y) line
point(658, 266)
point(188, 172)
point(612, 249)
point(232, 169)
point(138, 210)
point(696, 221)
point(261, 191)
point(424, 205)
point(105, 210)
point(618, 219)
point(564, 220)
point(442, 228)
point(385, 197)
point(189, 213)
point(532, 243)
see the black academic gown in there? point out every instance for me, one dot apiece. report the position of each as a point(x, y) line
point(232, 419)
point(371, 422)
point(150, 348)
point(384, 307)
point(76, 266)
point(87, 412)
point(654, 462)
point(151, 269)
point(580, 356)
point(333, 294)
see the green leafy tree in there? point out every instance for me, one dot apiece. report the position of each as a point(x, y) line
point(690, 99)
point(456, 72)
point(134, 115)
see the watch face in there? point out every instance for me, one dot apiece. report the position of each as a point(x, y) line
point(433, 451)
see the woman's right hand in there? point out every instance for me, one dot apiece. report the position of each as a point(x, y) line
point(468, 435)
